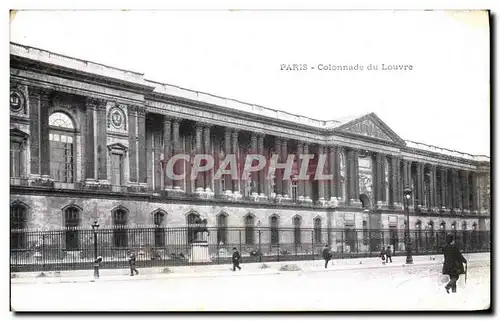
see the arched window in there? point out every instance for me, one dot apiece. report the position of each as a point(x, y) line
point(274, 223)
point(297, 221)
point(222, 229)
point(317, 230)
point(191, 220)
point(71, 222)
point(18, 222)
point(62, 147)
point(159, 232)
point(120, 237)
point(249, 229)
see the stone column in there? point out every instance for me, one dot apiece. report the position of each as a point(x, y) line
point(432, 186)
point(284, 156)
point(208, 151)
point(393, 199)
point(348, 170)
point(332, 166)
point(235, 151)
point(378, 180)
point(444, 188)
point(262, 178)
point(327, 171)
point(90, 108)
point(300, 182)
point(420, 196)
point(167, 151)
point(466, 191)
point(456, 191)
point(321, 183)
point(278, 172)
point(199, 181)
point(102, 150)
point(44, 133)
point(399, 185)
point(356, 177)
point(339, 153)
point(34, 113)
point(254, 175)
point(141, 137)
point(177, 150)
point(227, 151)
point(307, 183)
point(475, 194)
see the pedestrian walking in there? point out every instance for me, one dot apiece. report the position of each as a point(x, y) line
point(388, 255)
point(236, 259)
point(383, 255)
point(131, 263)
point(327, 254)
point(453, 263)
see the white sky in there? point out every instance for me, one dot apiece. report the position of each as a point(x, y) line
point(444, 101)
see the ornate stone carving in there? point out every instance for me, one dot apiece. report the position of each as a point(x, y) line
point(367, 128)
point(116, 118)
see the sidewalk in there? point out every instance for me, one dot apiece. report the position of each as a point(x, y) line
point(225, 270)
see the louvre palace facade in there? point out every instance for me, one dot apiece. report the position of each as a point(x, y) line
point(89, 143)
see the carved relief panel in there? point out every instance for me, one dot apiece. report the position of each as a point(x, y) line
point(116, 118)
point(19, 100)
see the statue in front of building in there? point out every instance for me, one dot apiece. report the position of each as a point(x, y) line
point(200, 230)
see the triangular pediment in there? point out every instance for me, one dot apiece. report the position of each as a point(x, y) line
point(370, 126)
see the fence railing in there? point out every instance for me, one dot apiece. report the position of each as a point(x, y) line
point(74, 248)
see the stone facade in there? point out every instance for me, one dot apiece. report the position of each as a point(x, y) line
point(125, 127)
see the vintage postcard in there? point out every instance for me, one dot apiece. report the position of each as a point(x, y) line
point(250, 160)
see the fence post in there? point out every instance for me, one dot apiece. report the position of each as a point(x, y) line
point(240, 241)
point(312, 244)
point(342, 244)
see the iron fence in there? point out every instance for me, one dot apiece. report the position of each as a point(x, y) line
point(74, 248)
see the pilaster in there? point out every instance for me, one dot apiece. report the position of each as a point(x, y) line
point(262, 176)
point(167, 151)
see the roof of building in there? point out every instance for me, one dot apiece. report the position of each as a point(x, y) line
point(128, 76)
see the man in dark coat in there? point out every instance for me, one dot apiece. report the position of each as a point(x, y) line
point(131, 263)
point(236, 259)
point(327, 254)
point(383, 255)
point(453, 263)
point(388, 254)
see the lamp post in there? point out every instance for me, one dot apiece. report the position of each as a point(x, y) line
point(407, 198)
point(95, 226)
point(259, 225)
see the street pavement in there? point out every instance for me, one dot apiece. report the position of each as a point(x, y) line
point(389, 287)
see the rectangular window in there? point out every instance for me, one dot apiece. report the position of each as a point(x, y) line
point(62, 159)
point(116, 169)
point(15, 159)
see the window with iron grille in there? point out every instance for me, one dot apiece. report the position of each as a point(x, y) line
point(274, 223)
point(296, 230)
point(222, 229)
point(158, 219)
point(249, 229)
point(120, 237)
point(71, 222)
point(317, 231)
point(62, 139)
point(18, 222)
